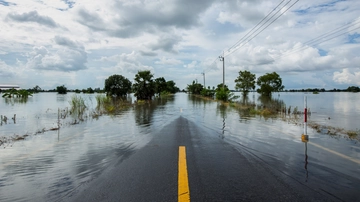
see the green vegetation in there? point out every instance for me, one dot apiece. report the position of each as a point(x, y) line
point(164, 88)
point(110, 105)
point(77, 107)
point(224, 94)
point(144, 86)
point(195, 88)
point(269, 83)
point(13, 93)
point(61, 89)
point(353, 89)
point(117, 85)
point(245, 82)
point(208, 92)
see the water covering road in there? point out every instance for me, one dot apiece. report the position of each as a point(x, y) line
point(62, 165)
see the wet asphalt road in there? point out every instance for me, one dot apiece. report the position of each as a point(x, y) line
point(217, 171)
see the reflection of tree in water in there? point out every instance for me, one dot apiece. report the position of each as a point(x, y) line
point(144, 110)
point(12, 101)
point(274, 105)
point(199, 101)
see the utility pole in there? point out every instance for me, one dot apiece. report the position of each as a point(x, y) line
point(222, 58)
point(204, 78)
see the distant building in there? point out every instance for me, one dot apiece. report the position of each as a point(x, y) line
point(6, 87)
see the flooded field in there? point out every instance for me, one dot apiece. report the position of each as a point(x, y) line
point(51, 164)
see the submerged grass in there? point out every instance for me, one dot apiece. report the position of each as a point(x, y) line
point(77, 107)
point(111, 105)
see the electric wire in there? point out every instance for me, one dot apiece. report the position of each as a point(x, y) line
point(261, 30)
point(257, 25)
point(256, 28)
point(322, 38)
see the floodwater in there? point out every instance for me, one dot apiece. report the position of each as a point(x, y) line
point(51, 165)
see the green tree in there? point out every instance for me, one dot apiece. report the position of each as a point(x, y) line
point(90, 90)
point(61, 89)
point(224, 94)
point(245, 81)
point(117, 85)
point(195, 88)
point(353, 89)
point(160, 85)
point(268, 83)
point(36, 89)
point(144, 86)
point(171, 87)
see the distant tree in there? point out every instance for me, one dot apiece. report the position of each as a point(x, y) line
point(195, 88)
point(117, 85)
point(90, 90)
point(268, 83)
point(61, 89)
point(245, 81)
point(77, 91)
point(171, 87)
point(144, 86)
point(353, 89)
point(160, 85)
point(36, 89)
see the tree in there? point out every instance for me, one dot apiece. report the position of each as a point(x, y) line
point(36, 89)
point(144, 86)
point(195, 88)
point(223, 93)
point(171, 87)
point(61, 89)
point(117, 85)
point(245, 81)
point(160, 85)
point(353, 89)
point(268, 83)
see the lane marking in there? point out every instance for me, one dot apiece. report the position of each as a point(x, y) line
point(324, 148)
point(183, 183)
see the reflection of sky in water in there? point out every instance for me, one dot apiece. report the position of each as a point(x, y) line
point(49, 166)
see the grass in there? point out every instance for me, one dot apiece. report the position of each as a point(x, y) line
point(111, 105)
point(77, 107)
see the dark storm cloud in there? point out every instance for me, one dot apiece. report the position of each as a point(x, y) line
point(32, 16)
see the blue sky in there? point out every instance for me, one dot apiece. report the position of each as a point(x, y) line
point(80, 43)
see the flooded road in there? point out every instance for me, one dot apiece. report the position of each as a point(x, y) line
point(54, 165)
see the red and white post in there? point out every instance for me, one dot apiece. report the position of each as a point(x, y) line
point(304, 136)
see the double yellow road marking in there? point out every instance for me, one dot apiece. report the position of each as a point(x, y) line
point(183, 181)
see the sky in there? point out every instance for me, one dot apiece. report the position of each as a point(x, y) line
point(80, 43)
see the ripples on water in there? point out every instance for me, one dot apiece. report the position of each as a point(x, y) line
point(50, 166)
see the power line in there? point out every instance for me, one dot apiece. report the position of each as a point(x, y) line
point(323, 38)
point(262, 29)
point(257, 25)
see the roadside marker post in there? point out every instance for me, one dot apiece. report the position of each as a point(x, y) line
point(304, 136)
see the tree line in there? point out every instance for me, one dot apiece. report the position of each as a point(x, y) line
point(245, 82)
point(144, 88)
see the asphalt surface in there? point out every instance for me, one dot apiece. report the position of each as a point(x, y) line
point(217, 171)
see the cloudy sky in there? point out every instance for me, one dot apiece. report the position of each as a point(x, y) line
point(79, 43)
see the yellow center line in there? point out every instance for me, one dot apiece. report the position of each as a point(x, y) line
point(183, 183)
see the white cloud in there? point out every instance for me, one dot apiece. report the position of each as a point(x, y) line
point(347, 76)
point(168, 61)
